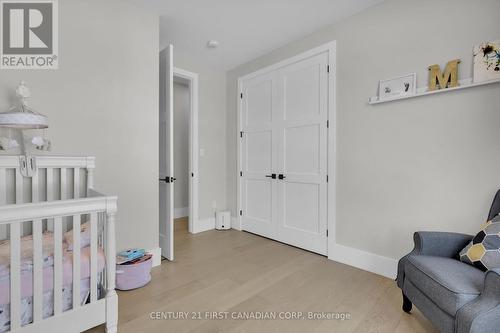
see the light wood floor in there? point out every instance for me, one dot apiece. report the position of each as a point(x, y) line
point(237, 271)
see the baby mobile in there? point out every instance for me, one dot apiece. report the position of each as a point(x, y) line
point(21, 117)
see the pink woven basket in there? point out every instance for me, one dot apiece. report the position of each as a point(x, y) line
point(133, 276)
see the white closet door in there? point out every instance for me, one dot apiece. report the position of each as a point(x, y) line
point(258, 155)
point(284, 123)
point(302, 154)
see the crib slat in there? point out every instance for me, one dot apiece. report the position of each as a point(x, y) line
point(64, 189)
point(3, 200)
point(93, 257)
point(19, 187)
point(3, 187)
point(34, 188)
point(50, 194)
point(76, 183)
point(76, 261)
point(15, 276)
point(104, 234)
point(37, 269)
point(64, 195)
point(26, 229)
point(50, 184)
point(20, 198)
point(100, 243)
point(90, 179)
point(57, 265)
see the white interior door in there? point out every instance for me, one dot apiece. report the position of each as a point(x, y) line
point(166, 144)
point(284, 123)
point(302, 154)
point(258, 155)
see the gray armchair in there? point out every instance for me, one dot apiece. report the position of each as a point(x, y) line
point(454, 296)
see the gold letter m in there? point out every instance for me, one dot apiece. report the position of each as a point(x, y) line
point(450, 78)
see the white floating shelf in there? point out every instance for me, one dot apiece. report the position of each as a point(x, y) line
point(463, 84)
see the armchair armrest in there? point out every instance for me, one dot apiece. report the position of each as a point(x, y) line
point(440, 244)
point(432, 243)
point(483, 313)
point(492, 283)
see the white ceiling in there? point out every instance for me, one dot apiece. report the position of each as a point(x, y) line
point(245, 29)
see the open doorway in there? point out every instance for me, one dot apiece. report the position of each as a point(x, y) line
point(178, 161)
point(182, 103)
point(190, 81)
point(184, 161)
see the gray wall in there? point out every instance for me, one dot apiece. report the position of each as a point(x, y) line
point(429, 163)
point(181, 144)
point(103, 101)
point(211, 132)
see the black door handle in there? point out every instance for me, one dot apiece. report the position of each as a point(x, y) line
point(281, 176)
point(168, 179)
point(273, 176)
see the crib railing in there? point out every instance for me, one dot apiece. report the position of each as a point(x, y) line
point(98, 209)
point(55, 178)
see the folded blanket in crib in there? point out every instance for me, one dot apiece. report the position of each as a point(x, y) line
point(48, 266)
point(27, 252)
point(48, 305)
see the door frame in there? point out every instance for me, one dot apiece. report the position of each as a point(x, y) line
point(331, 48)
point(192, 79)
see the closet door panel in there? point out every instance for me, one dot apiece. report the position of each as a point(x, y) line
point(258, 204)
point(258, 155)
point(259, 201)
point(301, 206)
point(302, 87)
point(259, 102)
point(302, 154)
point(302, 150)
point(258, 152)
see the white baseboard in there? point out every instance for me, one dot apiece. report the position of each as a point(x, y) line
point(204, 225)
point(156, 252)
point(235, 223)
point(364, 260)
point(181, 212)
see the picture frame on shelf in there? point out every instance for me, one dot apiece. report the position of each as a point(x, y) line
point(396, 87)
point(487, 61)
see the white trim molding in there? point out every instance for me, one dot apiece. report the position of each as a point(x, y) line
point(367, 261)
point(235, 223)
point(204, 225)
point(181, 212)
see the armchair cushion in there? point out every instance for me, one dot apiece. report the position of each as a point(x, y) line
point(449, 283)
point(484, 249)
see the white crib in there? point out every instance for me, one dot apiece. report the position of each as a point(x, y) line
point(57, 197)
